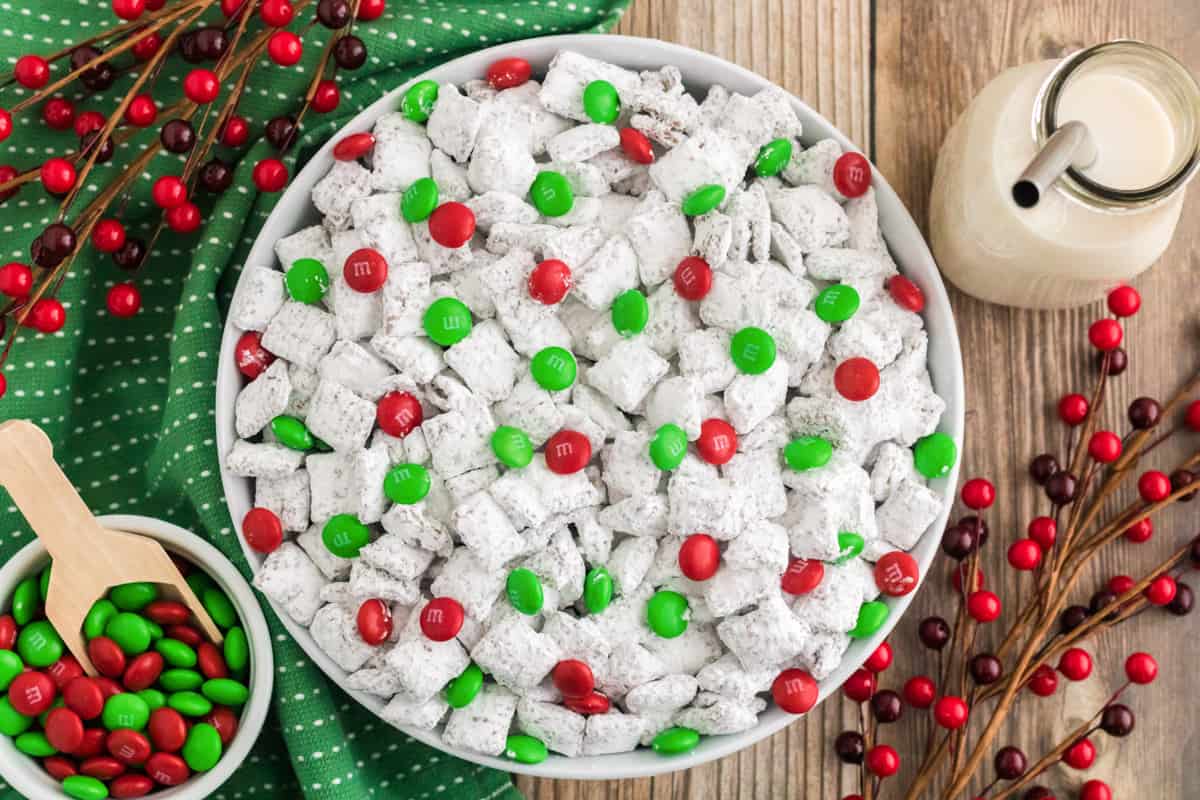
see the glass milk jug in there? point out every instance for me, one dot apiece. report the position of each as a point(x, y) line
point(1065, 178)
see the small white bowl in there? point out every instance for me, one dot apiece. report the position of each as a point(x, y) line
point(700, 70)
point(27, 776)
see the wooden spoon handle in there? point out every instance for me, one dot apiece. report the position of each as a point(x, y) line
point(43, 493)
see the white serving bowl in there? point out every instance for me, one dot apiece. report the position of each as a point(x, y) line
point(700, 70)
point(26, 775)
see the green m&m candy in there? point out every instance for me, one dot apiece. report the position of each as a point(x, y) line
point(125, 710)
point(219, 607)
point(630, 313)
point(773, 157)
point(463, 689)
point(807, 452)
point(666, 613)
point(419, 200)
point(553, 368)
point(202, 748)
point(11, 666)
point(237, 649)
point(752, 350)
point(703, 199)
point(129, 631)
point(102, 611)
point(344, 535)
point(197, 581)
point(44, 582)
point(12, 722)
point(837, 303)
point(405, 484)
point(25, 601)
point(190, 704)
point(551, 194)
point(180, 680)
point(133, 596)
point(668, 447)
point(597, 590)
point(307, 281)
point(934, 455)
point(447, 321)
point(292, 432)
point(225, 691)
point(674, 741)
point(601, 102)
point(35, 743)
point(153, 697)
point(524, 749)
point(419, 100)
point(40, 645)
point(84, 787)
point(176, 653)
point(871, 617)
point(849, 546)
point(512, 446)
point(524, 590)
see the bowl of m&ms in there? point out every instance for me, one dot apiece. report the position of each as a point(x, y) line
point(169, 714)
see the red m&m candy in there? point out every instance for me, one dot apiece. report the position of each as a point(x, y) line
point(262, 530)
point(573, 678)
point(251, 357)
point(802, 576)
point(398, 414)
point(31, 693)
point(64, 729)
point(365, 270)
point(693, 278)
point(594, 703)
point(442, 619)
point(83, 696)
point(353, 147)
point(550, 281)
point(718, 441)
point(636, 146)
point(856, 379)
point(906, 294)
point(896, 573)
point(167, 729)
point(852, 174)
point(794, 691)
point(699, 557)
point(568, 452)
point(452, 224)
point(374, 621)
point(167, 769)
point(128, 746)
point(506, 73)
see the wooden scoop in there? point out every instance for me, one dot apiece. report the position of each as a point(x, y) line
point(88, 559)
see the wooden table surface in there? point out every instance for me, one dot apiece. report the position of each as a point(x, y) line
point(893, 75)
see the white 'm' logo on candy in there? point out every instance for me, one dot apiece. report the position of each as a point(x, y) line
point(434, 615)
point(360, 269)
point(453, 323)
point(687, 276)
point(793, 685)
point(721, 441)
point(126, 752)
point(33, 695)
point(555, 362)
point(563, 449)
point(857, 174)
point(893, 574)
point(750, 351)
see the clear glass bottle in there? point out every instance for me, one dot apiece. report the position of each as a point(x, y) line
point(1094, 227)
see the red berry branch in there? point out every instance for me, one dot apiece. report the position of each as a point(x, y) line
point(200, 124)
point(972, 690)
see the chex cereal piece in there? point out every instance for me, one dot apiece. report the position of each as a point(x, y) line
point(383, 228)
point(665, 694)
point(613, 732)
point(824, 653)
point(568, 74)
point(559, 729)
point(415, 356)
point(401, 711)
point(767, 636)
point(834, 604)
point(688, 652)
point(456, 444)
point(334, 568)
point(616, 167)
point(627, 373)
point(893, 465)
point(643, 515)
point(831, 263)
point(814, 165)
point(454, 123)
point(485, 362)
point(401, 153)
point(496, 207)
point(595, 540)
point(406, 296)
point(757, 477)
point(339, 417)
point(703, 502)
point(310, 242)
point(345, 182)
point(463, 486)
point(300, 333)
point(520, 498)
point(451, 178)
point(380, 682)
point(600, 410)
point(507, 236)
point(482, 725)
point(426, 666)
point(390, 554)
point(704, 356)
point(259, 296)
point(585, 179)
point(660, 236)
point(611, 270)
point(628, 470)
point(367, 582)
point(502, 161)
point(579, 638)
point(356, 368)
point(582, 142)
point(762, 544)
point(304, 382)
point(708, 156)
point(750, 399)
point(733, 589)
point(532, 409)
point(629, 562)
point(286, 497)
point(335, 631)
point(288, 577)
point(249, 460)
point(629, 666)
point(263, 399)
point(356, 315)
point(331, 481)
point(516, 655)
point(721, 716)
point(465, 578)
point(905, 515)
point(483, 527)
point(727, 677)
point(560, 566)
point(811, 216)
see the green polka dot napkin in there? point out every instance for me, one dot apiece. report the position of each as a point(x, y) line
point(129, 403)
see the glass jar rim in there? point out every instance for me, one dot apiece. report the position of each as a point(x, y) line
point(1074, 182)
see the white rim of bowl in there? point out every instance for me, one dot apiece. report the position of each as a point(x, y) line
point(25, 775)
point(648, 53)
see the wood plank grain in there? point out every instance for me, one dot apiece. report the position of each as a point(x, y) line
point(820, 51)
point(931, 59)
